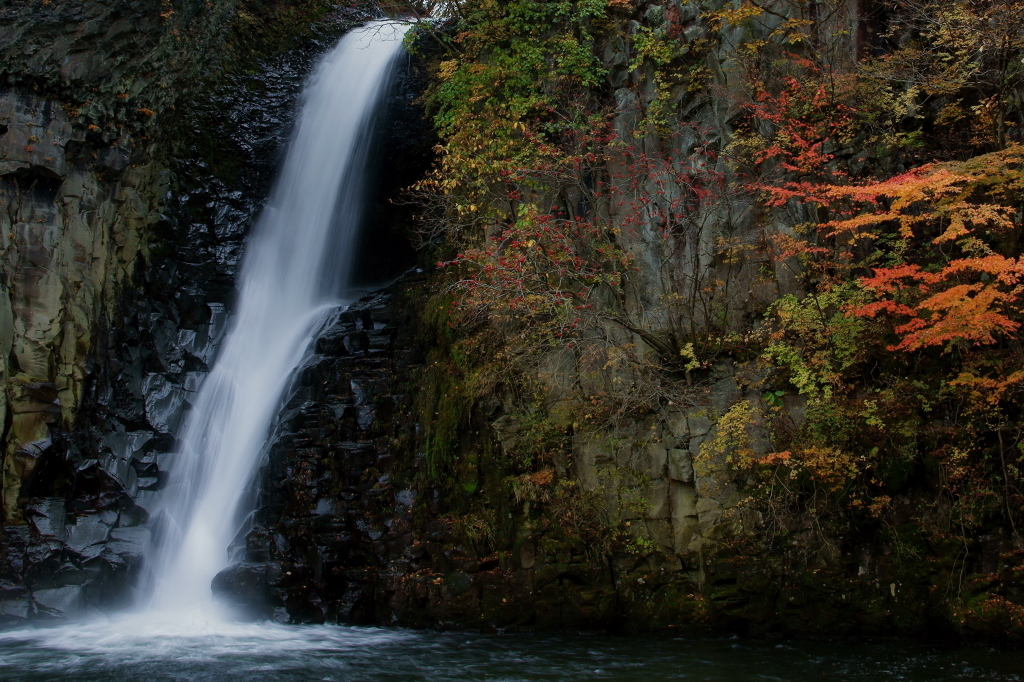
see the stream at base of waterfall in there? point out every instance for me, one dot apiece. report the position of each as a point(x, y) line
point(143, 650)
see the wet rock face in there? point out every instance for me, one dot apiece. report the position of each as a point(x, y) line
point(118, 276)
point(111, 58)
point(95, 373)
point(327, 506)
point(67, 567)
point(84, 400)
point(118, 271)
point(71, 230)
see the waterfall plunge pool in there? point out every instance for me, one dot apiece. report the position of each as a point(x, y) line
point(140, 649)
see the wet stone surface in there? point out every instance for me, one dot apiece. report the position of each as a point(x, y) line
point(90, 486)
point(84, 503)
point(325, 502)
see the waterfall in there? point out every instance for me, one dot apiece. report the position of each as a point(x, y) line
point(296, 267)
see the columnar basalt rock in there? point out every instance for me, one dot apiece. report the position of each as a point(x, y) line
point(87, 87)
point(691, 550)
point(120, 245)
point(95, 375)
point(330, 514)
point(75, 211)
point(72, 233)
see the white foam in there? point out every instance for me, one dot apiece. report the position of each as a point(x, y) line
point(138, 638)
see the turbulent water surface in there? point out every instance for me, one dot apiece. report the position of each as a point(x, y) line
point(154, 651)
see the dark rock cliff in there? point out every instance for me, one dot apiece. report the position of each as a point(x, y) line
point(349, 530)
point(634, 526)
point(124, 200)
point(326, 495)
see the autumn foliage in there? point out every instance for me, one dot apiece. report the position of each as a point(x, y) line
point(839, 214)
point(951, 232)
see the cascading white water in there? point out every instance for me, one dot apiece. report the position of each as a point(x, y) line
point(296, 266)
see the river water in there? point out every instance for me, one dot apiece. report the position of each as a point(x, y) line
point(139, 649)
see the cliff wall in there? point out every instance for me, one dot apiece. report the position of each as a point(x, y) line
point(132, 159)
point(632, 396)
point(641, 401)
point(653, 388)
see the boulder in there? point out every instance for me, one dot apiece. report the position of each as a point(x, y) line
point(244, 587)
